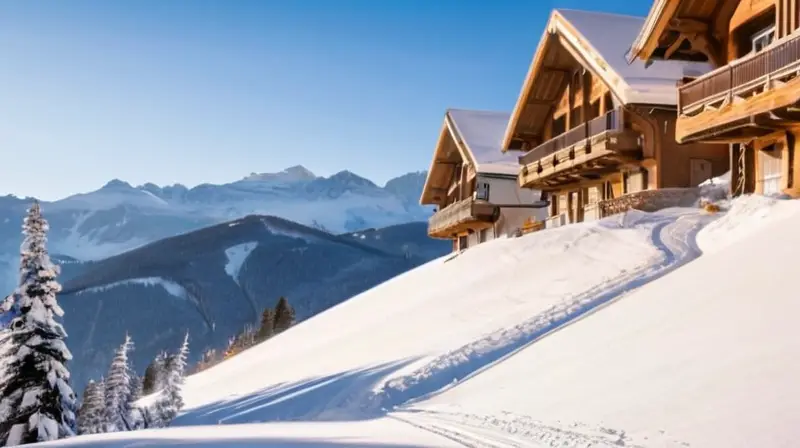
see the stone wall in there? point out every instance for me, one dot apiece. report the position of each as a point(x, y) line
point(651, 200)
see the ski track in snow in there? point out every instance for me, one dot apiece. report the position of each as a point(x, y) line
point(673, 233)
point(508, 430)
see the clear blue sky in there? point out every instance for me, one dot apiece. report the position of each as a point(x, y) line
point(196, 91)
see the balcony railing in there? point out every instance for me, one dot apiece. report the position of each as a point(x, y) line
point(741, 74)
point(460, 212)
point(610, 121)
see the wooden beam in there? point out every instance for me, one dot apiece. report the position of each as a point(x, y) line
point(586, 89)
point(674, 47)
point(545, 102)
point(570, 99)
point(687, 25)
point(698, 33)
point(564, 70)
point(709, 46)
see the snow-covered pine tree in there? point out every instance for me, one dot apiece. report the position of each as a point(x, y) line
point(118, 390)
point(36, 401)
point(136, 386)
point(284, 315)
point(91, 412)
point(170, 402)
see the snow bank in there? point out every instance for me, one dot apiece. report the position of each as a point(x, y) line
point(723, 180)
point(746, 216)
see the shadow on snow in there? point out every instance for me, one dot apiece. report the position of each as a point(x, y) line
point(337, 397)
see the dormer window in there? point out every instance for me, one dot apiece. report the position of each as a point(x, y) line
point(763, 38)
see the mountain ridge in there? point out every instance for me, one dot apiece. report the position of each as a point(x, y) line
point(119, 217)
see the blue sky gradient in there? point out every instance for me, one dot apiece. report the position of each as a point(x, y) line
point(195, 91)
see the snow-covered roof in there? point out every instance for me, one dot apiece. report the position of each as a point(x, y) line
point(482, 134)
point(604, 40)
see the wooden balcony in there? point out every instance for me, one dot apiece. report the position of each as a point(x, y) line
point(586, 152)
point(750, 97)
point(468, 214)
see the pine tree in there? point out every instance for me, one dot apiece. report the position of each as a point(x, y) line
point(267, 328)
point(136, 386)
point(91, 412)
point(154, 374)
point(284, 315)
point(36, 401)
point(118, 390)
point(170, 402)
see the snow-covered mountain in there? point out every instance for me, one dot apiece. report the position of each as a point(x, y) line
point(214, 281)
point(672, 329)
point(120, 217)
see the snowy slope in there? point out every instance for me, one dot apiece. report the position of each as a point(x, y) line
point(703, 356)
point(617, 332)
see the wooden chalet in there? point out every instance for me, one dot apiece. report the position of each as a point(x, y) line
point(473, 184)
point(591, 128)
point(751, 100)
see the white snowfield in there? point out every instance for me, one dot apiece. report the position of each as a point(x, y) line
point(614, 333)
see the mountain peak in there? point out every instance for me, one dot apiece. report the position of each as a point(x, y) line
point(116, 184)
point(294, 173)
point(348, 177)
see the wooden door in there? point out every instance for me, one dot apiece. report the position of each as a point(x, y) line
point(770, 171)
point(699, 171)
point(634, 181)
point(574, 204)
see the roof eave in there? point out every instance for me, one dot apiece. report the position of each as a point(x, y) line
point(643, 45)
point(526, 84)
point(423, 199)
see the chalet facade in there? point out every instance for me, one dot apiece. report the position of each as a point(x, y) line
point(751, 100)
point(473, 184)
point(590, 128)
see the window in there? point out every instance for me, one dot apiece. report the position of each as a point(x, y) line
point(635, 181)
point(482, 192)
point(482, 235)
point(763, 38)
point(559, 125)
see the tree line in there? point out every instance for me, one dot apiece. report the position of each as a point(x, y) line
point(273, 321)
